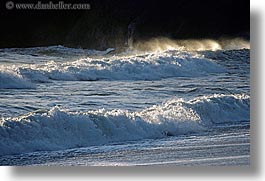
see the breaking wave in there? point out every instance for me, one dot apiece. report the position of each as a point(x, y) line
point(58, 129)
point(11, 80)
point(151, 66)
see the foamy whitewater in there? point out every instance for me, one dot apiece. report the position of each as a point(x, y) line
point(66, 106)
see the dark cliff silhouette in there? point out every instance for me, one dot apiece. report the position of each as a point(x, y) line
point(116, 23)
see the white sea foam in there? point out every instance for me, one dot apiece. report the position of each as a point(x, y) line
point(151, 66)
point(11, 80)
point(218, 109)
point(57, 129)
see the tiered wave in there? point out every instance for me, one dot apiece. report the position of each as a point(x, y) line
point(58, 129)
point(150, 66)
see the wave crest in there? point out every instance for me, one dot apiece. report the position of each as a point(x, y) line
point(163, 44)
point(12, 80)
point(138, 67)
point(59, 129)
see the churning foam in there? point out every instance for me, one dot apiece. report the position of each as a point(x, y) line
point(12, 80)
point(151, 66)
point(57, 129)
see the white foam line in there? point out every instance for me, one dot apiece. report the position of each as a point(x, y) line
point(182, 162)
point(199, 147)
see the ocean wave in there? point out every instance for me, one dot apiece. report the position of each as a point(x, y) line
point(242, 55)
point(151, 66)
point(57, 50)
point(11, 80)
point(57, 129)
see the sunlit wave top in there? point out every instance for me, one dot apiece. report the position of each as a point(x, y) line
point(163, 44)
